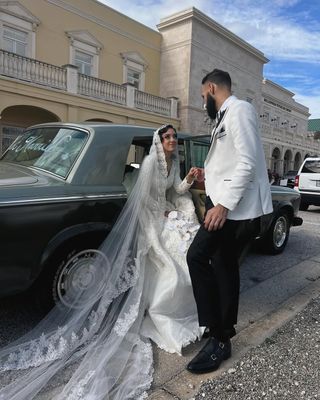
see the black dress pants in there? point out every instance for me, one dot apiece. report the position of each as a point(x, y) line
point(214, 270)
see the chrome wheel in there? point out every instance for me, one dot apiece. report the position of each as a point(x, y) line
point(280, 231)
point(82, 278)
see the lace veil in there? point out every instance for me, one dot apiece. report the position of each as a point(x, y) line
point(94, 350)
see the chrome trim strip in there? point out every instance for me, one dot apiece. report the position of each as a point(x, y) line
point(310, 191)
point(63, 199)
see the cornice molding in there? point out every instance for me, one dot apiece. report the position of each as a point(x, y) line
point(85, 37)
point(276, 86)
point(293, 105)
point(135, 57)
point(16, 9)
point(193, 14)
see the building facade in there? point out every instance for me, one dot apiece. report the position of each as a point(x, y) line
point(77, 60)
point(284, 128)
point(194, 44)
point(80, 60)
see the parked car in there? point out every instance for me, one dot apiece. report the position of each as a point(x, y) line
point(307, 182)
point(289, 178)
point(62, 187)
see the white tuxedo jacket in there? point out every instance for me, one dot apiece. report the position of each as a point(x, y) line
point(235, 169)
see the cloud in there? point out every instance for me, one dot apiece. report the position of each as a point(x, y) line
point(149, 12)
point(312, 102)
point(270, 26)
point(276, 33)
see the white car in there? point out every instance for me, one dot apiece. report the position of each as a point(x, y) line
point(307, 182)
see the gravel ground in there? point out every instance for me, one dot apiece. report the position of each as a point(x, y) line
point(285, 366)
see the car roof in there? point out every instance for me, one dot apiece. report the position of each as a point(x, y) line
point(98, 126)
point(311, 159)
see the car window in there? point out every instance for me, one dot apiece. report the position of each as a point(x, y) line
point(52, 149)
point(311, 167)
point(199, 153)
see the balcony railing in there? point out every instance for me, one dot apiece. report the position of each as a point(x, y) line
point(68, 79)
point(155, 104)
point(34, 71)
point(100, 89)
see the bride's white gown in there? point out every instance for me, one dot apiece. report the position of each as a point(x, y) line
point(171, 317)
point(140, 288)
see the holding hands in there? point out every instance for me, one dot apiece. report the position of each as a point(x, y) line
point(195, 174)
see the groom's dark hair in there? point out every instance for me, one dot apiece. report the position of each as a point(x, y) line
point(219, 77)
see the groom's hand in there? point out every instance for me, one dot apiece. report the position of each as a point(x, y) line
point(215, 218)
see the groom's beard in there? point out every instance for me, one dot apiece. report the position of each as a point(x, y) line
point(211, 107)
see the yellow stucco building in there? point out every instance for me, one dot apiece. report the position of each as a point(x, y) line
point(77, 60)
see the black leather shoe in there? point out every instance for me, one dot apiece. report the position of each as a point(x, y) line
point(210, 356)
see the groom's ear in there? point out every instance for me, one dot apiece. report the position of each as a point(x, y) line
point(212, 88)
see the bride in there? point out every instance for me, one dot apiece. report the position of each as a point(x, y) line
point(99, 348)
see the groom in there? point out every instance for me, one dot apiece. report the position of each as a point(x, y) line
point(238, 191)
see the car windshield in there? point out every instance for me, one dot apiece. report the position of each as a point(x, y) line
point(291, 173)
point(311, 166)
point(53, 149)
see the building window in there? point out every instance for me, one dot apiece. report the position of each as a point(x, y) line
point(84, 52)
point(15, 41)
point(134, 77)
point(18, 29)
point(84, 62)
point(134, 67)
point(9, 134)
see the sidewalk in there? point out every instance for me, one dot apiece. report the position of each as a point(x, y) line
point(285, 366)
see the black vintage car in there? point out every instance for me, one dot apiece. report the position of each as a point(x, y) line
point(62, 187)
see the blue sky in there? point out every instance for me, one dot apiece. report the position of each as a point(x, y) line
point(286, 31)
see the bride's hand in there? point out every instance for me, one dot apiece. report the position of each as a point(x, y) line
point(192, 175)
point(195, 174)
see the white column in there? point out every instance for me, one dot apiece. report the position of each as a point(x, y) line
point(130, 95)
point(174, 107)
point(72, 78)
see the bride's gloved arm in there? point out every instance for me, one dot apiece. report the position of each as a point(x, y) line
point(180, 186)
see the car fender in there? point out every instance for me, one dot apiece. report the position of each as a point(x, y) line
point(71, 233)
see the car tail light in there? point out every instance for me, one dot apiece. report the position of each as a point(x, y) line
point(296, 181)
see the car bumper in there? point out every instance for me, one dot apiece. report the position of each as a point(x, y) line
point(310, 198)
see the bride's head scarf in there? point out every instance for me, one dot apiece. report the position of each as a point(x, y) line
point(94, 349)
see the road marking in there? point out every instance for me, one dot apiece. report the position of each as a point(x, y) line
point(311, 223)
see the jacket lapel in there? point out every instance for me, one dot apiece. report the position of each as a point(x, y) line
point(215, 129)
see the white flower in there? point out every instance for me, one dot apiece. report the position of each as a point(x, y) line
point(173, 215)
